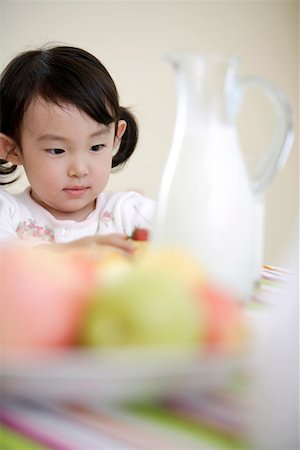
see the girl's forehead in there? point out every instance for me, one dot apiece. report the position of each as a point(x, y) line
point(41, 112)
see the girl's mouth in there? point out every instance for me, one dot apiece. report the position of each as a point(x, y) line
point(76, 191)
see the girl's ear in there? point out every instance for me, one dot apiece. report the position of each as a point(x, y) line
point(9, 150)
point(121, 127)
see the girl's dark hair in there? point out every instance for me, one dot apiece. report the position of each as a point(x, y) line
point(62, 74)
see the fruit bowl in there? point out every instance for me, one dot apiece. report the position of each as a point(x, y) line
point(115, 375)
point(81, 325)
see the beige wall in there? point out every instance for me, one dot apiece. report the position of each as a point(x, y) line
point(131, 39)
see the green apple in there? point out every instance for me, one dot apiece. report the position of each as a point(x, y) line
point(147, 307)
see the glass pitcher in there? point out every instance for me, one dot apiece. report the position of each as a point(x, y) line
point(208, 202)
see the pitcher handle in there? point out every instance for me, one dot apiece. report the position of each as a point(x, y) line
point(275, 157)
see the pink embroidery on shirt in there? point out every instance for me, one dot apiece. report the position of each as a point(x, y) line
point(107, 216)
point(29, 229)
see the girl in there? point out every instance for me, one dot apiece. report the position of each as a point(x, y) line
point(61, 120)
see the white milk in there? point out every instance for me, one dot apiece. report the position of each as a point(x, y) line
point(206, 205)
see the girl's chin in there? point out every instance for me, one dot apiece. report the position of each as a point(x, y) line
point(75, 205)
point(71, 213)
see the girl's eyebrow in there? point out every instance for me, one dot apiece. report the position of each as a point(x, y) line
point(55, 137)
point(52, 137)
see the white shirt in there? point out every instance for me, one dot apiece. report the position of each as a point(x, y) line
point(115, 212)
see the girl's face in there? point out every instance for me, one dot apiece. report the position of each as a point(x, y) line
point(67, 157)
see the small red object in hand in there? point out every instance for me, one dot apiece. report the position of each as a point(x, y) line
point(140, 234)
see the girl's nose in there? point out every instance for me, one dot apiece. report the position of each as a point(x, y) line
point(78, 170)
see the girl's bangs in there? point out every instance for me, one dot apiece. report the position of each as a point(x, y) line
point(98, 108)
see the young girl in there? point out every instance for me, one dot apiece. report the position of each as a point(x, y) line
point(61, 120)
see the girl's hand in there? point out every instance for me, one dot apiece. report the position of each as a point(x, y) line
point(119, 242)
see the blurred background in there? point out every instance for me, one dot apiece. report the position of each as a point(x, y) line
point(131, 38)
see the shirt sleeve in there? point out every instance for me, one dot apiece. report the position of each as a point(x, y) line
point(125, 211)
point(138, 212)
point(9, 213)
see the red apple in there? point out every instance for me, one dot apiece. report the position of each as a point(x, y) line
point(43, 296)
point(223, 318)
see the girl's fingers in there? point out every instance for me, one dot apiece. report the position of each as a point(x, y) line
point(116, 240)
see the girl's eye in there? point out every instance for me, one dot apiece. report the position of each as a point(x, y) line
point(55, 151)
point(97, 148)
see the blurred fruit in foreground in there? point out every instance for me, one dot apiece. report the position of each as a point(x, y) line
point(165, 299)
point(177, 262)
point(110, 267)
point(160, 296)
point(224, 325)
point(43, 296)
point(148, 307)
